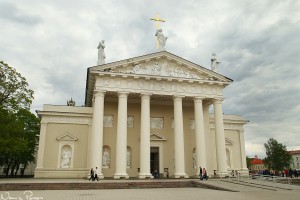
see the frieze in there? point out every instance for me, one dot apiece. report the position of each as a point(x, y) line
point(161, 86)
point(229, 126)
point(65, 119)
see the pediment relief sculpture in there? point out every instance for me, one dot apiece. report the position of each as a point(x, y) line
point(162, 68)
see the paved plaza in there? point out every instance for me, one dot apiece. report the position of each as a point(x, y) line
point(245, 192)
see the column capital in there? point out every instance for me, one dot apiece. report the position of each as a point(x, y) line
point(145, 94)
point(99, 93)
point(123, 94)
point(218, 100)
point(198, 99)
point(178, 98)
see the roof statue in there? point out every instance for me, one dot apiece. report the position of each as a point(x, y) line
point(161, 39)
point(101, 54)
point(214, 62)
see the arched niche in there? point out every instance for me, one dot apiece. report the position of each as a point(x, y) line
point(106, 157)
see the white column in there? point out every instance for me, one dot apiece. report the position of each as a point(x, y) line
point(121, 144)
point(199, 133)
point(41, 150)
point(145, 137)
point(97, 132)
point(179, 138)
point(243, 152)
point(209, 147)
point(220, 137)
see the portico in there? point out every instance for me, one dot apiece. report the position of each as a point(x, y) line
point(154, 81)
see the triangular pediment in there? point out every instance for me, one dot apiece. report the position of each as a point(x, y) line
point(161, 64)
point(156, 137)
point(66, 137)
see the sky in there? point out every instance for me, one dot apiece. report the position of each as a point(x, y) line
point(52, 43)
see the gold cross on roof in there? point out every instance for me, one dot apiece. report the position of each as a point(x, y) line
point(157, 20)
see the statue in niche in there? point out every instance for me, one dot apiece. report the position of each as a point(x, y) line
point(214, 62)
point(105, 158)
point(128, 158)
point(101, 54)
point(194, 160)
point(66, 157)
point(161, 39)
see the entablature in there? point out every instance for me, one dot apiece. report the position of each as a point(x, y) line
point(160, 87)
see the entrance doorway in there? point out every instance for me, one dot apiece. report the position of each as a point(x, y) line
point(154, 161)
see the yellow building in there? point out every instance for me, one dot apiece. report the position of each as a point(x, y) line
point(143, 114)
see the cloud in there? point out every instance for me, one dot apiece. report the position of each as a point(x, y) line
point(13, 13)
point(52, 43)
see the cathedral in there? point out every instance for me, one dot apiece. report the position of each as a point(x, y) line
point(144, 117)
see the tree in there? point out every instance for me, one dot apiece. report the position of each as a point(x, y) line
point(14, 91)
point(249, 164)
point(18, 139)
point(19, 128)
point(278, 158)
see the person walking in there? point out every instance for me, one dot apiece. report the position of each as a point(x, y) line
point(204, 174)
point(96, 174)
point(200, 174)
point(92, 175)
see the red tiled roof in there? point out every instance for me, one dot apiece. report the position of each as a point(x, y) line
point(257, 162)
point(294, 152)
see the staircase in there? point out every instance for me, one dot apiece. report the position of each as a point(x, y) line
point(109, 185)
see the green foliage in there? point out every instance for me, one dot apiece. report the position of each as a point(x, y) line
point(14, 94)
point(278, 158)
point(19, 128)
point(18, 138)
point(249, 165)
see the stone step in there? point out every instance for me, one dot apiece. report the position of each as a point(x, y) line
point(107, 185)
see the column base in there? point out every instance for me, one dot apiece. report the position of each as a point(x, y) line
point(100, 176)
point(181, 176)
point(223, 174)
point(121, 176)
point(145, 176)
point(244, 171)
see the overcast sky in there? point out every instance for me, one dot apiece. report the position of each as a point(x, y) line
point(52, 43)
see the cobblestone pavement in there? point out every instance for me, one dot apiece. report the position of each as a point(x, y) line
point(149, 194)
point(246, 193)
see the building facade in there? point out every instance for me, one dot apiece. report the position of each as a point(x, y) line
point(257, 164)
point(143, 115)
point(295, 164)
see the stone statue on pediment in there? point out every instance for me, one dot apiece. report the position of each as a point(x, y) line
point(214, 62)
point(161, 39)
point(101, 54)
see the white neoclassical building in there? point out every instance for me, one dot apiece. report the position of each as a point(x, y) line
point(143, 115)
